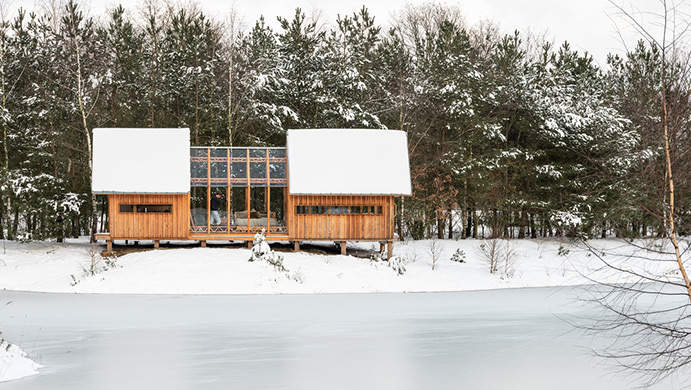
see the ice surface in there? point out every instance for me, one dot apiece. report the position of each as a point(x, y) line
point(502, 339)
point(141, 161)
point(348, 161)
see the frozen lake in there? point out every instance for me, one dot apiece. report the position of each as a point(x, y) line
point(501, 339)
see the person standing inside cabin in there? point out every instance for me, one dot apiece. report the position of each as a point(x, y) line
point(215, 204)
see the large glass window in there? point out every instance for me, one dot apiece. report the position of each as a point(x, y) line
point(245, 167)
point(254, 195)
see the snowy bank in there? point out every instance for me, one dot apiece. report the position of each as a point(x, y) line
point(14, 363)
point(59, 267)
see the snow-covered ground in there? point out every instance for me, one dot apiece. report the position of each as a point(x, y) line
point(59, 267)
point(14, 363)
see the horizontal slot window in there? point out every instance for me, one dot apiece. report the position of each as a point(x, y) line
point(126, 208)
point(339, 210)
point(154, 208)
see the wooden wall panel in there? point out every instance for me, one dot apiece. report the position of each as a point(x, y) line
point(175, 225)
point(340, 227)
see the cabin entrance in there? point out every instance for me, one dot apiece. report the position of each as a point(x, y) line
point(238, 191)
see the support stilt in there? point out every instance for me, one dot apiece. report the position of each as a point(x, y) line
point(249, 244)
point(296, 246)
point(155, 244)
point(203, 242)
point(389, 251)
point(109, 245)
point(343, 247)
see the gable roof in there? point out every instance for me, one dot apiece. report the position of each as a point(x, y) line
point(348, 162)
point(141, 161)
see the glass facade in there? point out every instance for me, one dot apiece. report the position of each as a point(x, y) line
point(249, 187)
point(238, 167)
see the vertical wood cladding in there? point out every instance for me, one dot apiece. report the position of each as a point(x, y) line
point(173, 225)
point(340, 226)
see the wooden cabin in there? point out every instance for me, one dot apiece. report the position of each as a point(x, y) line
point(325, 185)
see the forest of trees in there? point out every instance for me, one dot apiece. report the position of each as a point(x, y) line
point(509, 136)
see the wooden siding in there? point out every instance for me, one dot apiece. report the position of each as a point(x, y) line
point(175, 225)
point(340, 226)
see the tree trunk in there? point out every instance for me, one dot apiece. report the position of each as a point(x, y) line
point(15, 224)
point(440, 228)
point(670, 180)
point(450, 224)
point(2, 218)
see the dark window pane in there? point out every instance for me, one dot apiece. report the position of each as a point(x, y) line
point(378, 210)
point(154, 208)
point(318, 209)
point(277, 153)
point(355, 209)
point(302, 209)
point(222, 152)
point(258, 153)
point(277, 170)
point(238, 153)
point(219, 170)
point(238, 170)
point(126, 208)
point(198, 170)
point(338, 210)
point(198, 152)
point(258, 170)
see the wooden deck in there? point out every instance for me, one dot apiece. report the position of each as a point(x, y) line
point(236, 237)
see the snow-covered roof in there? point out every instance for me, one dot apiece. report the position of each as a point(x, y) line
point(141, 161)
point(348, 162)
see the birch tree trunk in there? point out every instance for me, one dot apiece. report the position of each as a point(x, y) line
point(73, 19)
point(6, 154)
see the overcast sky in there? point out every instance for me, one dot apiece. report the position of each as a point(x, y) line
point(585, 24)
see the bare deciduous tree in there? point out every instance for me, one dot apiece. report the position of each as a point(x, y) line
point(647, 313)
point(435, 249)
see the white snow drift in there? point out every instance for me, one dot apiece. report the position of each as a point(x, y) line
point(14, 363)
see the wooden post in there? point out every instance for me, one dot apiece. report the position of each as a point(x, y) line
point(247, 192)
point(228, 195)
point(381, 246)
point(203, 242)
point(109, 245)
point(343, 247)
point(389, 251)
point(268, 193)
point(155, 244)
point(208, 190)
point(249, 244)
point(296, 246)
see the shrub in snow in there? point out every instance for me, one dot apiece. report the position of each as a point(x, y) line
point(500, 255)
point(458, 256)
point(96, 264)
point(261, 251)
point(488, 251)
point(435, 248)
point(397, 263)
point(562, 251)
